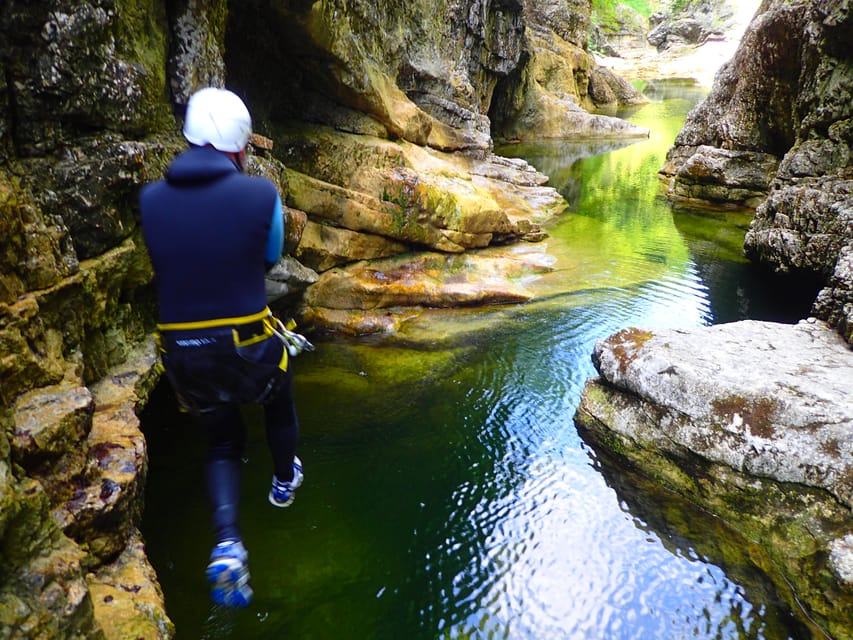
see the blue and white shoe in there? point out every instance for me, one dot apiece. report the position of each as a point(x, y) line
point(228, 574)
point(283, 493)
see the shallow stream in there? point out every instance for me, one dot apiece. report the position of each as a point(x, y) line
point(447, 492)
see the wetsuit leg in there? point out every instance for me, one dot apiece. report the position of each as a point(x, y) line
point(227, 441)
point(282, 428)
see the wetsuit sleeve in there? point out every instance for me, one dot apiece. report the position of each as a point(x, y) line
point(275, 239)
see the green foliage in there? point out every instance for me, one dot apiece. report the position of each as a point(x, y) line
point(399, 198)
point(605, 10)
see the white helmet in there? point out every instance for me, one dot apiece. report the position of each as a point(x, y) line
point(219, 118)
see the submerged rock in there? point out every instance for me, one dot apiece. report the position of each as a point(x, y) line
point(737, 417)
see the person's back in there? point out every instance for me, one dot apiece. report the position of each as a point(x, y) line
point(206, 227)
point(211, 233)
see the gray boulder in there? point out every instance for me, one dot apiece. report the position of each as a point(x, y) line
point(736, 418)
point(696, 22)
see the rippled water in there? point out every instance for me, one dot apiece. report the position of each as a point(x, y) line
point(447, 492)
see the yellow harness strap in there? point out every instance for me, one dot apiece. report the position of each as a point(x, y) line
point(216, 322)
point(265, 316)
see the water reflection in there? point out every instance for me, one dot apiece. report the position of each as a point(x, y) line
point(703, 539)
point(447, 493)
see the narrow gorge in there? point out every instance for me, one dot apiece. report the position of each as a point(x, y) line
point(379, 122)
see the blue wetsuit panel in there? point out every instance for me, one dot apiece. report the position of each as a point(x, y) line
point(275, 243)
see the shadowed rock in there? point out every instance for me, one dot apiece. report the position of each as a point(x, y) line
point(775, 134)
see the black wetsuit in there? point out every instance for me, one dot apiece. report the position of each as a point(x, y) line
point(211, 233)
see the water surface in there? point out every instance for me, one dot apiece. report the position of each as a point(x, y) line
point(447, 492)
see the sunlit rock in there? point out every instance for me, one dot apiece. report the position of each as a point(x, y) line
point(694, 23)
point(85, 461)
point(324, 246)
point(43, 592)
point(413, 196)
point(141, 616)
point(380, 295)
point(551, 97)
point(619, 33)
point(737, 417)
point(50, 422)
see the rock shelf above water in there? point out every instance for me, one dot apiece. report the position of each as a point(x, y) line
point(753, 422)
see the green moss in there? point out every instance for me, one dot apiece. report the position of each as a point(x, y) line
point(604, 11)
point(141, 33)
point(27, 524)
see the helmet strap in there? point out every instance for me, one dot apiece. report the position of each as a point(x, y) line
point(238, 158)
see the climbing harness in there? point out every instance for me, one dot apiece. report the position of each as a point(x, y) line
point(245, 330)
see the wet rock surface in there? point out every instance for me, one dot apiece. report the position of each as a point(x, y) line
point(74, 488)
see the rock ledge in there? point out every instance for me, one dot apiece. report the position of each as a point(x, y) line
point(737, 417)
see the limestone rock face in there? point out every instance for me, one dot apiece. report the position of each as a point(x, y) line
point(736, 417)
point(782, 107)
point(764, 71)
point(693, 23)
point(550, 96)
point(723, 177)
point(85, 119)
point(195, 56)
point(419, 70)
point(73, 505)
point(623, 31)
point(385, 114)
point(402, 200)
point(568, 19)
point(81, 66)
point(446, 75)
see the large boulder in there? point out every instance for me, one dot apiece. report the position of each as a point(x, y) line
point(692, 23)
point(737, 417)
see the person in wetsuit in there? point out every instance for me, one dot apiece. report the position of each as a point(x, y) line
point(212, 232)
